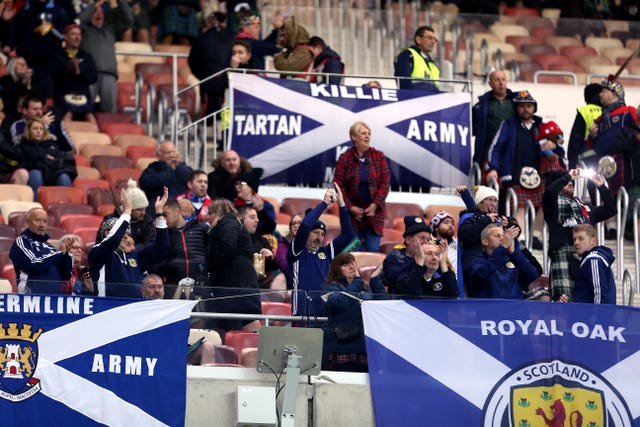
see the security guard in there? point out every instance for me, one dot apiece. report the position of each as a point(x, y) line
point(416, 62)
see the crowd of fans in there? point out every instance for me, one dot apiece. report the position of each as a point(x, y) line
point(217, 230)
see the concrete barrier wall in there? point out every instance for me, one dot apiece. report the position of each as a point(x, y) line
point(333, 399)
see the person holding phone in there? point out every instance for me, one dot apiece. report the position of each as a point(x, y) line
point(562, 211)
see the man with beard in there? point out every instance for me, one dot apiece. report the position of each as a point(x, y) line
point(443, 226)
point(197, 194)
point(226, 168)
point(309, 260)
point(607, 134)
point(515, 154)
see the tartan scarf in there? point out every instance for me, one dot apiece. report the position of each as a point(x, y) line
point(571, 211)
point(605, 117)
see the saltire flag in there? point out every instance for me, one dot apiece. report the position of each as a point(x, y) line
point(296, 130)
point(496, 363)
point(80, 361)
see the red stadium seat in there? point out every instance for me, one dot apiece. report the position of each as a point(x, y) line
point(115, 129)
point(59, 209)
point(576, 52)
point(122, 174)
point(102, 118)
point(87, 234)
point(7, 231)
point(136, 152)
point(279, 308)
point(86, 184)
point(9, 273)
point(240, 339)
point(547, 60)
point(49, 194)
point(294, 205)
point(104, 163)
point(72, 221)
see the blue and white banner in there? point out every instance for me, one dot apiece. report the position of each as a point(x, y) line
point(79, 361)
point(503, 363)
point(296, 130)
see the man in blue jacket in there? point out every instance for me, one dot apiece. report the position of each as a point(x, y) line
point(40, 267)
point(309, 259)
point(594, 280)
point(496, 273)
point(115, 264)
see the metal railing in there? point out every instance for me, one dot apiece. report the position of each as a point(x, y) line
point(622, 204)
point(541, 73)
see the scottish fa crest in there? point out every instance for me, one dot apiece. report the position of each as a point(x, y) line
point(555, 394)
point(18, 361)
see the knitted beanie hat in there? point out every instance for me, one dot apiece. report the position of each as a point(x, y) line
point(484, 192)
point(136, 195)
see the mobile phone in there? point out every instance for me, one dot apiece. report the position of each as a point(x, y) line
point(585, 173)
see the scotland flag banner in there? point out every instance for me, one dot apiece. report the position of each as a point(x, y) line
point(296, 130)
point(80, 361)
point(503, 363)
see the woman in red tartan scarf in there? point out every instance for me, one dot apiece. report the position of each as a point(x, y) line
point(363, 175)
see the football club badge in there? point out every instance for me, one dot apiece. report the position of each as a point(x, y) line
point(18, 361)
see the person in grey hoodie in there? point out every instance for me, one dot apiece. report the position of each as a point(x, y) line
point(99, 38)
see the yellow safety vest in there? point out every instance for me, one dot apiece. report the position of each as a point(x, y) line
point(589, 112)
point(422, 68)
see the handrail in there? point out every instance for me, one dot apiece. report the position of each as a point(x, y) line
point(493, 183)
point(545, 248)
point(511, 203)
point(628, 281)
point(499, 60)
point(622, 205)
point(555, 73)
point(475, 175)
point(514, 68)
point(529, 223)
point(636, 244)
point(600, 225)
point(484, 57)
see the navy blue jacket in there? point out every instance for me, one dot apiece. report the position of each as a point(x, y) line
point(443, 285)
point(594, 281)
point(502, 155)
point(479, 114)
point(308, 270)
point(40, 268)
point(496, 275)
point(120, 274)
point(345, 310)
point(159, 175)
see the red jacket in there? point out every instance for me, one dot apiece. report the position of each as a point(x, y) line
point(347, 176)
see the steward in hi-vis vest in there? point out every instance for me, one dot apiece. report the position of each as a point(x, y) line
point(416, 62)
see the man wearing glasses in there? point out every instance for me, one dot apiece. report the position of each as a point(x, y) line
point(416, 62)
